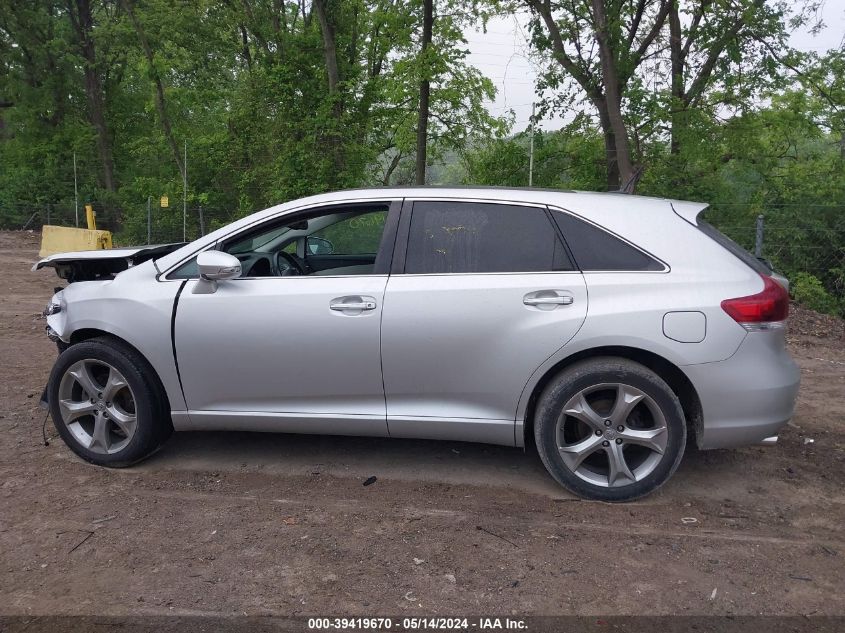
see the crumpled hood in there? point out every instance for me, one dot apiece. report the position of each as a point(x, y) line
point(101, 264)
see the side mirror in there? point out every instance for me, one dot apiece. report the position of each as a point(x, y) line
point(216, 266)
point(319, 246)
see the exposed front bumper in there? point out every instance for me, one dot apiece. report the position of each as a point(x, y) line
point(748, 397)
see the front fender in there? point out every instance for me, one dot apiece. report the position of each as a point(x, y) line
point(134, 307)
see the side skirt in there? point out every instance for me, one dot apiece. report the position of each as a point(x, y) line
point(274, 422)
point(483, 431)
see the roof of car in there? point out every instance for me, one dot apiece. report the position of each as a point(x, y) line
point(483, 191)
point(577, 201)
point(584, 203)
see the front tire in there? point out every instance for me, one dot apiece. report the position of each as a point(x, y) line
point(610, 429)
point(106, 403)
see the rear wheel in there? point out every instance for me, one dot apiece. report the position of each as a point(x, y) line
point(107, 404)
point(610, 429)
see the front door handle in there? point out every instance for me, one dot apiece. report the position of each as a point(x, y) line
point(353, 304)
point(548, 299)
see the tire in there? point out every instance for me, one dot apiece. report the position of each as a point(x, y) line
point(107, 404)
point(630, 457)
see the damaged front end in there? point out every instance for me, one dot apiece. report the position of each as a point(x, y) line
point(102, 264)
point(55, 316)
point(99, 266)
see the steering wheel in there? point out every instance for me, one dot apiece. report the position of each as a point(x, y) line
point(287, 265)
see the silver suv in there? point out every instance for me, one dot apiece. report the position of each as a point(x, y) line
point(606, 328)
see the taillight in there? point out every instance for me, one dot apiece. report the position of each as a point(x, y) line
point(767, 309)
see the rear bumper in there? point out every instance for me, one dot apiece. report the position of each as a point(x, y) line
point(748, 397)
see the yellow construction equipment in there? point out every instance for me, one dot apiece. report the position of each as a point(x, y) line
point(61, 239)
point(91, 217)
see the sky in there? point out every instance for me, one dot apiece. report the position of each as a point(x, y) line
point(502, 55)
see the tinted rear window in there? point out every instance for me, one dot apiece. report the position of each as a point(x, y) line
point(596, 249)
point(711, 231)
point(473, 237)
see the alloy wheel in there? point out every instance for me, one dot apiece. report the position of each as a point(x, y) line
point(611, 434)
point(98, 406)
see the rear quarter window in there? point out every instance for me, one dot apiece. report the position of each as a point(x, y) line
point(723, 240)
point(595, 249)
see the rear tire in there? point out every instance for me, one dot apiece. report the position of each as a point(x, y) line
point(610, 429)
point(107, 403)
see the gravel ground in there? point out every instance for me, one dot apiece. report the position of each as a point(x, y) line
point(226, 524)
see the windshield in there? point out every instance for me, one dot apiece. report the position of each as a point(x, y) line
point(255, 242)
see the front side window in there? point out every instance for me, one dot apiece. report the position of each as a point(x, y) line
point(343, 241)
point(471, 237)
point(355, 235)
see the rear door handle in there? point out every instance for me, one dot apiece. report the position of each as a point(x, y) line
point(354, 304)
point(548, 299)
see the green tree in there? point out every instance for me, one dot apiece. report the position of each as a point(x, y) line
point(645, 68)
point(275, 98)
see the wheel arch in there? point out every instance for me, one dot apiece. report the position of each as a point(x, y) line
point(668, 371)
point(86, 334)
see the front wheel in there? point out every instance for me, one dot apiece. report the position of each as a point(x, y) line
point(610, 429)
point(106, 403)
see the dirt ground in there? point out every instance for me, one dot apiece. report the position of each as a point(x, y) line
point(282, 525)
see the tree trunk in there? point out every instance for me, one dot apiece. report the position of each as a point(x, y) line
point(333, 73)
point(394, 163)
point(425, 92)
point(676, 56)
point(611, 166)
point(82, 22)
point(161, 106)
point(621, 153)
point(329, 45)
point(4, 104)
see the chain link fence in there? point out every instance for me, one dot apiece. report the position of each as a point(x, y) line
point(158, 225)
point(819, 251)
point(806, 249)
point(24, 217)
point(805, 243)
point(146, 224)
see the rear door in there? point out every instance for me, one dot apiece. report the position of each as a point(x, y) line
point(481, 294)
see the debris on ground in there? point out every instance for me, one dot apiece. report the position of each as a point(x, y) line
point(804, 578)
point(104, 519)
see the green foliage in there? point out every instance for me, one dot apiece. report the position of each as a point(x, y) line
point(270, 115)
point(569, 158)
point(246, 84)
point(809, 291)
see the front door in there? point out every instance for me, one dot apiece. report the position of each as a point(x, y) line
point(298, 348)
